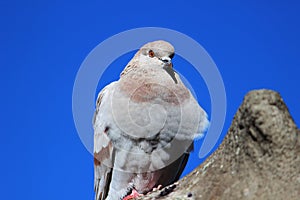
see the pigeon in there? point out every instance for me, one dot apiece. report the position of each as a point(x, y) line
point(144, 126)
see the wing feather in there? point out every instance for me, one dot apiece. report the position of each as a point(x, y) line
point(103, 149)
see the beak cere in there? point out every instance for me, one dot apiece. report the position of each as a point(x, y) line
point(167, 61)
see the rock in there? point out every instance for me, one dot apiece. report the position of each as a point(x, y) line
point(258, 159)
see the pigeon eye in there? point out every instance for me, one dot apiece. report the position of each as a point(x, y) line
point(151, 54)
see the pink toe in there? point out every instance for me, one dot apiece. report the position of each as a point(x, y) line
point(133, 194)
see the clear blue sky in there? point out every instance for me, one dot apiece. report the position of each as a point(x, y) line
point(255, 44)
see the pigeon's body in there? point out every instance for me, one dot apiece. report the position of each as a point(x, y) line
point(144, 126)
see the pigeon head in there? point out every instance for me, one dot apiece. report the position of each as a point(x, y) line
point(153, 54)
point(157, 52)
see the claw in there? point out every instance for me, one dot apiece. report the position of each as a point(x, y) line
point(157, 188)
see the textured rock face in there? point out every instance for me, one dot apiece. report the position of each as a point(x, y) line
point(258, 159)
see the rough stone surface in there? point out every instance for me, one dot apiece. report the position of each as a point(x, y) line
point(258, 159)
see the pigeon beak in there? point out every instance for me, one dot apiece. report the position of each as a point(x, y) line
point(167, 61)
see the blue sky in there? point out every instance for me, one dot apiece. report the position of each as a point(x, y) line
point(43, 43)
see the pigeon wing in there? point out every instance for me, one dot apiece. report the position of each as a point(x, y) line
point(103, 148)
